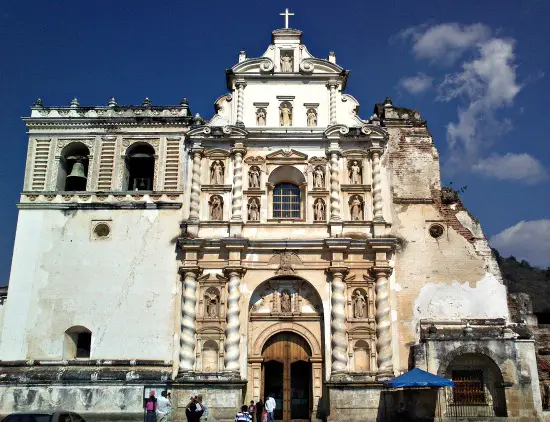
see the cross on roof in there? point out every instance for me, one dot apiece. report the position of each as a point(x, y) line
point(286, 15)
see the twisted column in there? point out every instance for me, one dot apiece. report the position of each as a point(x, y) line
point(188, 321)
point(334, 186)
point(195, 186)
point(339, 343)
point(332, 88)
point(233, 328)
point(237, 201)
point(240, 101)
point(376, 186)
point(383, 321)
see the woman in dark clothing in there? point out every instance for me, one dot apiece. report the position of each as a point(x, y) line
point(193, 412)
point(259, 410)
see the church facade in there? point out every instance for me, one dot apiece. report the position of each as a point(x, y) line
point(285, 247)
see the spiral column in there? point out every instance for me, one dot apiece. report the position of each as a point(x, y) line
point(237, 201)
point(383, 321)
point(334, 186)
point(188, 326)
point(337, 322)
point(233, 327)
point(376, 186)
point(195, 185)
point(332, 114)
point(240, 101)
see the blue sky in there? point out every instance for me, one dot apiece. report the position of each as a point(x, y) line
point(478, 71)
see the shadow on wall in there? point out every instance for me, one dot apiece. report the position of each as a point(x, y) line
point(408, 405)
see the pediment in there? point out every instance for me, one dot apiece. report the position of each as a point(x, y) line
point(287, 155)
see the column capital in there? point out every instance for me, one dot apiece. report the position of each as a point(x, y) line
point(376, 150)
point(334, 150)
point(184, 269)
point(332, 84)
point(235, 269)
point(197, 150)
point(240, 83)
point(338, 270)
point(238, 149)
point(382, 271)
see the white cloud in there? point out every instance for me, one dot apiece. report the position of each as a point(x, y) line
point(529, 240)
point(416, 84)
point(446, 41)
point(513, 167)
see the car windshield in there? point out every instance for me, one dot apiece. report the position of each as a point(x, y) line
point(28, 418)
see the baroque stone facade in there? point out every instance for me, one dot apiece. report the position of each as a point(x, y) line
point(286, 246)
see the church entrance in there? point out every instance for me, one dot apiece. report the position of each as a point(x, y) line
point(286, 376)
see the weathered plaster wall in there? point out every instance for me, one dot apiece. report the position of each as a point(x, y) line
point(121, 288)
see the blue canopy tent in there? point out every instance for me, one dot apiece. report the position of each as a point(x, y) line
point(417, 380)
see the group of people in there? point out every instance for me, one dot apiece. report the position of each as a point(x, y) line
point(159, 409)
point(257, 412)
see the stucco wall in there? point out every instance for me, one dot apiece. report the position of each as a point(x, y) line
point(122, 288)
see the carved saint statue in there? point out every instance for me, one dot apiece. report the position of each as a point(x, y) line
point(254, 177)
point(260, 117)
point(253, 210)
point(356, 208)
point(211, 304)
point(318, 178)
point(359, 305)
point(311, 117)
point(216, 173)
point(285, 302)
point(216, 208)
point(319, 213)
point(286, 62)
point(286, 115)
point(355, 174)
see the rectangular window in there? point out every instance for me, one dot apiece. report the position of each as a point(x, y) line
point(83, 343)
point(286, 201)
point(468, 389)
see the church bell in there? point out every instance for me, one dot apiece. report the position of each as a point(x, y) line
point(76, 180)
point(78, 171)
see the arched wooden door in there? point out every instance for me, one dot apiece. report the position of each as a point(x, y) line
point(286, 375)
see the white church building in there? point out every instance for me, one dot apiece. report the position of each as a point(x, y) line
point(287, 246)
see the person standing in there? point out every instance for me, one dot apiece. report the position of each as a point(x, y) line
point(252, 409)
point(259, 410)
point(205, 409)
point(164, 407)
point(243, 415)
point(194, 410)
point(151, 408)
point(270, 406)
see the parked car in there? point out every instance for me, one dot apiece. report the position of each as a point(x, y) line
point(59, 416)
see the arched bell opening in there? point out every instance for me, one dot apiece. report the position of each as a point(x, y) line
point(73, 167)
point(140, 167)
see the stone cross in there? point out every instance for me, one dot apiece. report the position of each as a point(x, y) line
point(286, 15)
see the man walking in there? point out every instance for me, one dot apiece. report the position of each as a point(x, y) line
point(206, 410)
point(270, 406)
point(164, 407)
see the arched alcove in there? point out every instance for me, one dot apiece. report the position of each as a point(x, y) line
point(78, 342)
point(140, 167)
point(287, 187)
point(73, 167)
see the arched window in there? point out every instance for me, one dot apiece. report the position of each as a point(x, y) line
point(78, 342)
point(286, 201)
point(73, 167)
point(140, 167)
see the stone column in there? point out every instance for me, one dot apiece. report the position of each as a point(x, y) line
point(233, 327)
point(194, 202)
point(337, 322)
point(383, 320)
point(334, 185)
point(237, 202)
point(332, 114)
point(240, 102)
point(376, 185)
point(188, 326)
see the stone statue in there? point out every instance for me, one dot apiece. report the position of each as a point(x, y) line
point(211, 304)
point(356, 208)
point(319, 210)
point(286, 115)
point(216, 208)
point(254, 177)
point(355, 174)
point(253, 210)
point(359, 305)
point(216, 173)
point(311, 117)
point(318, 178)
point(260, 117)
point(286, 62)
point(285, 302)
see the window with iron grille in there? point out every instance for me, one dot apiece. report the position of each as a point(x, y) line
point(286, 201)
point(468, 387)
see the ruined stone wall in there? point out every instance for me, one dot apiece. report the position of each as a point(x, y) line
point(122, 287)
point(450, 277)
